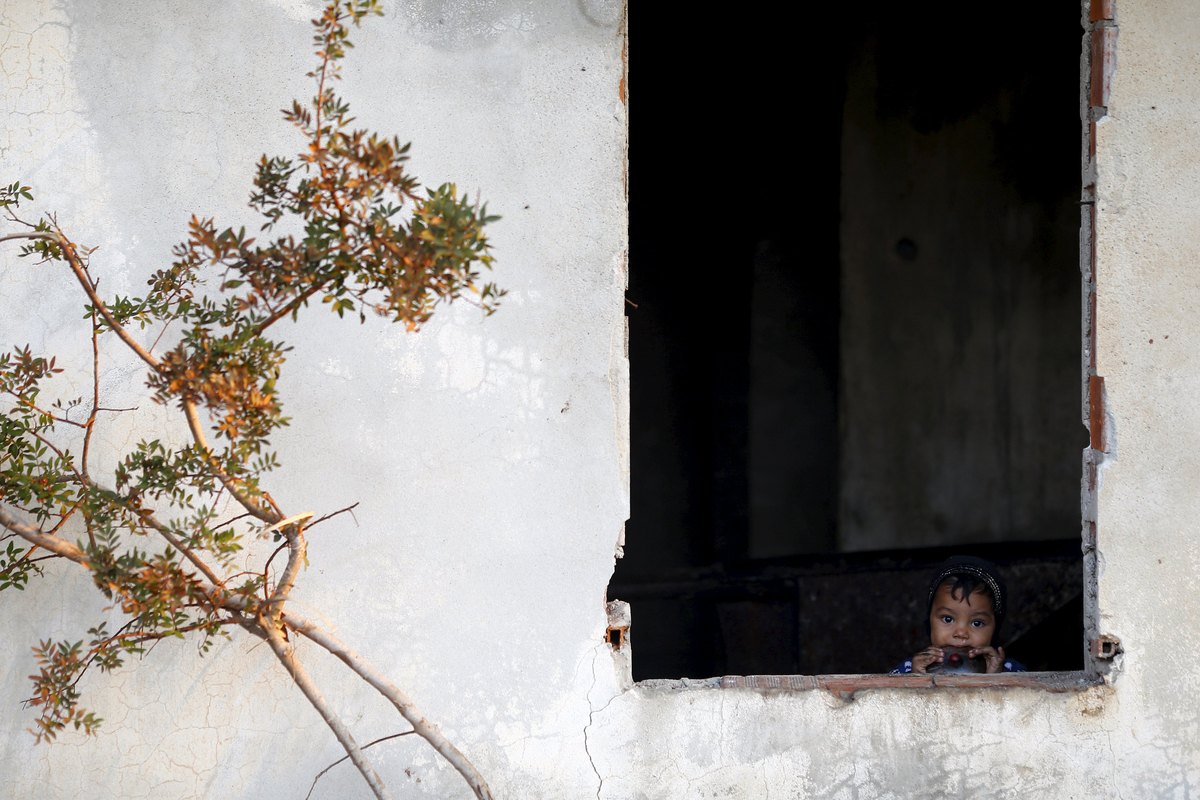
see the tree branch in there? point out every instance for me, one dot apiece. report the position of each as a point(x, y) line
point(34, 536)
point(85, 281)
point(426, 729)
point(189, 407)
point(50, 237)
point(266, 514)
point(66, 549)
point(139, 637)
point(184, 550)
point(147, 516)
point(286, 653)
point(288, 307)
point(293, 530)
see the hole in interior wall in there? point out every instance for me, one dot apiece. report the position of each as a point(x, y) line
point(813, 427)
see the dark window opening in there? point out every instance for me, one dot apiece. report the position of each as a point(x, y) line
point(855, 344)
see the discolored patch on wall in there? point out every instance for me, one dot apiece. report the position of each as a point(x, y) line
point(470, 24)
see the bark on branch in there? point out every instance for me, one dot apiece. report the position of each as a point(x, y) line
point(367, 671)
point(79, 269)
point(286, 654)
point(32, 535)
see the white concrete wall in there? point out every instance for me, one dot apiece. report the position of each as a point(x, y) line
point(1138, 736)
point(489, 455)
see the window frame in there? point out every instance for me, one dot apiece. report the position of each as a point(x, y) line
point(1098, 61)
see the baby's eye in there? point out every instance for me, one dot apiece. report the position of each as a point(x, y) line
point(976, 623)
point(946, 618)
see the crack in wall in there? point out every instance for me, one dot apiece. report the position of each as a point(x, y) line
point(592, 712)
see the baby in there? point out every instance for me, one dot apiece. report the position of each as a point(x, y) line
point(966, 607)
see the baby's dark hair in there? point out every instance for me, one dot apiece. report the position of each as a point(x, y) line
point(966, 575)
point(963, 586)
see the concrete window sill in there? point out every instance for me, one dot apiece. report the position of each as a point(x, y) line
point(849, 684)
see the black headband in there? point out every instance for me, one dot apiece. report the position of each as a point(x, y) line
point(978, 573)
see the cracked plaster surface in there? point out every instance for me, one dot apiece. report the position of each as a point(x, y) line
point(500, 637)
point(488, 451)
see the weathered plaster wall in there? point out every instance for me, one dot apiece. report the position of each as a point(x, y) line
point(1139, 734)
point(489, 454)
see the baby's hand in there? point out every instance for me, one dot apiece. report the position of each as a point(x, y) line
point(993, 655)
point(922, 661)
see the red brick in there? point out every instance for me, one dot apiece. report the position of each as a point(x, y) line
point(1091, 325)
point(1104, 42)
point(1096, 412)
point(1102, 10)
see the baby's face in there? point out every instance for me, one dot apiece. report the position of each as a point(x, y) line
point(963, 621)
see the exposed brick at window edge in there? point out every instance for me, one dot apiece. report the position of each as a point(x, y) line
point(1102, 11)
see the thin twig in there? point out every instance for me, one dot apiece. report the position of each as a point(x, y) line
point(79, 479)
point(95, 651)
point(144, 637)
point(231, 520)
point(292, 305)
point(343, 758)
point(26, 559)
point(58, 452)
point(267, 567)
point(161, 333)
point(62, 520)
point(91, 420)
point(186, 551)
point(350, 508)
point(24, 401)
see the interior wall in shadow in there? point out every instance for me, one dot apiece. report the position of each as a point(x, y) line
point(960, 354)
point(823, 357)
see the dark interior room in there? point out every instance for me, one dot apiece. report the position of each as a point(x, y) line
point(854, 332)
